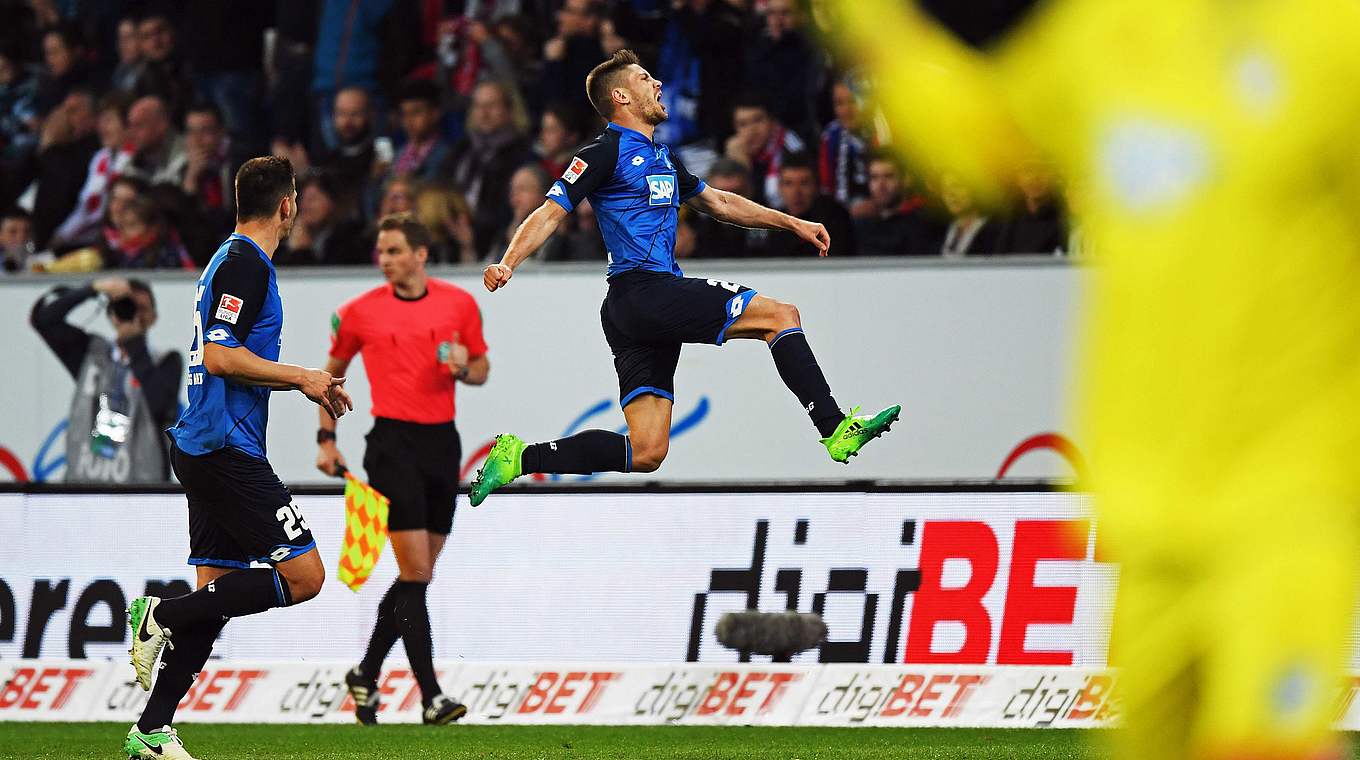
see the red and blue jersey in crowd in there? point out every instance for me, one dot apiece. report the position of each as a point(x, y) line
point(237, 304)
point(636, 187)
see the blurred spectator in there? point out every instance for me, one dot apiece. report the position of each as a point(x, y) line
point(842, 155)
point(970, 232)
point(485, 158)
point(68, 143)
point(798, 190)
point(16, 239)
point(361, 43)
point(158, 151)
point(445, 214)
point(1038, 224)
point(144, 239)
point(125, 395)
point(64, 67)
point(325, 234)
point(398, 196)
point(527, 188)
point(760, 143)
point(353, 161)
point(161, 71)
point(898, 222)
point(715, 239)
point(570, 55)
point(290, 75)
point(584, 241)
point(127, 70)
point(208, 185)
point(81, 226)
point(226, 67)
point(425, 152)
point(560, 133)
point(512, 53)
point(685, 240)
point(783, 65)
point(18, 124)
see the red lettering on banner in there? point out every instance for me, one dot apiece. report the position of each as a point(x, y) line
point(538, 693)
point(244, 680)
point(413, 691)
point(735, 707)
point(900, 699)
point(211, 687)
point(1027, 604)
point(717, 694)
point(965, 685)
point(597, 686)
point(1092, 696)
point(779, 682)
point(949, 539)
point(37, 688)
point(14, 687)
point(555, 705)
point(930, 693)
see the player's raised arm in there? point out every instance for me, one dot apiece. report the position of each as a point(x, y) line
point(744, 212)
point(532, 232)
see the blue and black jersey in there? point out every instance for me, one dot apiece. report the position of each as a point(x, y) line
point(237, 305)
point(636, 187)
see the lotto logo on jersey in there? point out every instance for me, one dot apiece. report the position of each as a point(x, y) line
point(229, 308)
point(663, 189)
point(574, 171)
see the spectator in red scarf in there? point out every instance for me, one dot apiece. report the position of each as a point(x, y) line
point(144, 240)
point(560, 133)
point(425, 151)
point(760, 143)
point(81, 226)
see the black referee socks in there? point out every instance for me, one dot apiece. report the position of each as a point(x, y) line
point(238, 593)
point(404, 613)
point(586, 452)
point(385, 632)
point(799, 371)
point(180, 665)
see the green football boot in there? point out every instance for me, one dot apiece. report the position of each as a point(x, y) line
point(161, 744)
point(502, 465)
point(856, 430)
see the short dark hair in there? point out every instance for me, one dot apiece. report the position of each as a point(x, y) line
point(205, 106)
point(752, 99)
point(142, 286)
point(416, 234)
point(16, 212)
point(726, 167)
point(880, 156)
point(260, 184)
point(115, 100)
point(799, 160)
point(419, 89)
point(601, 80)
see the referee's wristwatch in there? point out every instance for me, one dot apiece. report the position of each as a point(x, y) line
point(462, 374)
point(323, 435)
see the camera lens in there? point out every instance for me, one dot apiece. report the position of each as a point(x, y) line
point(124, 308)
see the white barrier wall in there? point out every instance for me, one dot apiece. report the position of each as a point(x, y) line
point(975, 353)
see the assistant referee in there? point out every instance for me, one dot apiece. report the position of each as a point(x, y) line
point(420, 336)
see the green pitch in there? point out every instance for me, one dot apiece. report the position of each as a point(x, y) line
point(79, 741)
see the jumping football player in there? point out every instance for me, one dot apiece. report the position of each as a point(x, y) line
point(636, 187)
point(239, 511)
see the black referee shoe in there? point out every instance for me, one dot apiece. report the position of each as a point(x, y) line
point(364, 691)
point(443, 711)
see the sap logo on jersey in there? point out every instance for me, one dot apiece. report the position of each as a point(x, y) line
point(229, 308)
point(662, 187)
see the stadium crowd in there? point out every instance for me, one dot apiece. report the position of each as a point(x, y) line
point(122, 125)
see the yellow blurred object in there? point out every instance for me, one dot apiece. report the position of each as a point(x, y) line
point(365, 532)
point(79, 260)
point(1215, 147)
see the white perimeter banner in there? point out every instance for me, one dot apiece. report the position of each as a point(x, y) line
point(922, 578)
point(975, 353)
point(605, 694)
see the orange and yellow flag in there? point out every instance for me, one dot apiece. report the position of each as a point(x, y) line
point(365, 531)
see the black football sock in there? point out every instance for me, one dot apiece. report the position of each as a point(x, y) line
point(582, 454)
point(413, 619)
point(238, 593)
point(179, 666)
point(385, 633)
point(799, 371)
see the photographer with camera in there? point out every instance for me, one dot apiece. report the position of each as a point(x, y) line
point(124, 396)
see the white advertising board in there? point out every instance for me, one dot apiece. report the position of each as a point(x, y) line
point(976, 354)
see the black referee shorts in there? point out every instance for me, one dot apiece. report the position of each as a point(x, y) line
point(416, 467)
point(239, 510)
point(648, 316)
